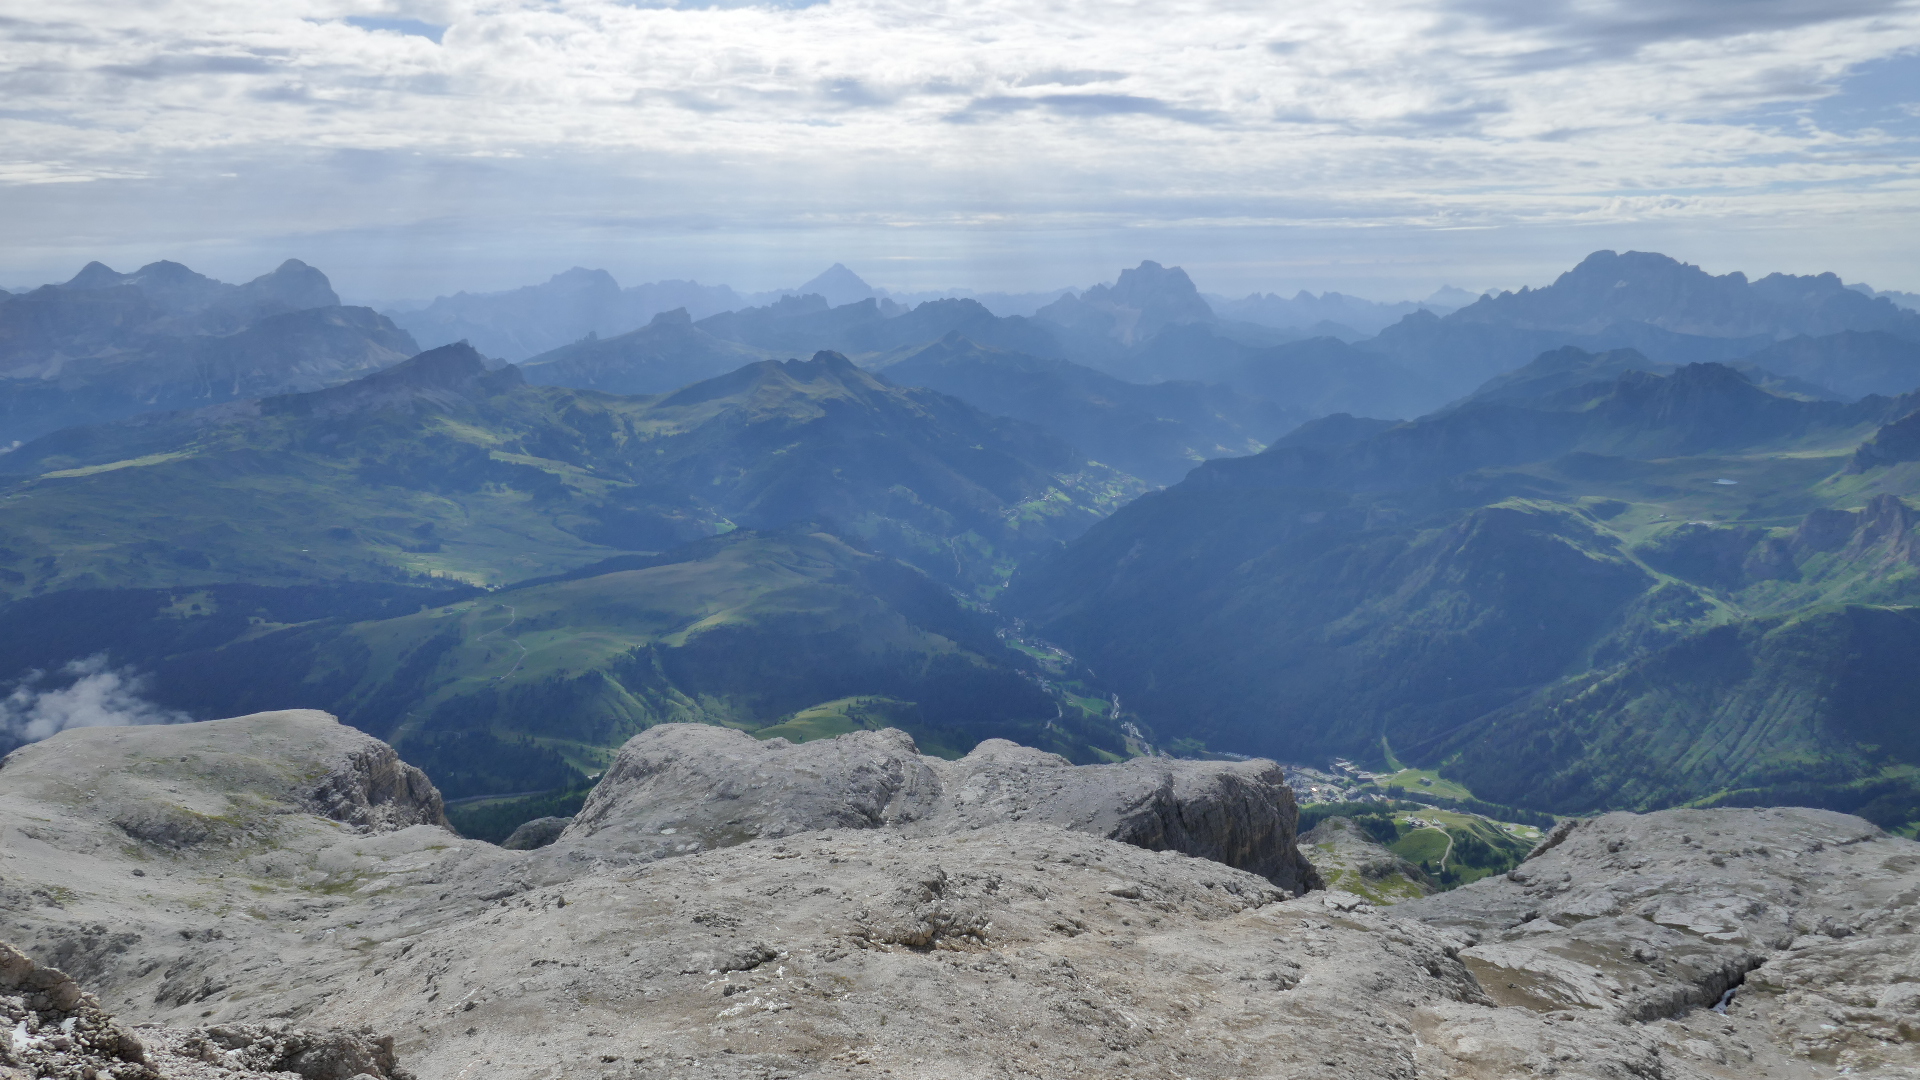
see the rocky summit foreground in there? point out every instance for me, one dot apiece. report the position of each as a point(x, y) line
point(728, 908)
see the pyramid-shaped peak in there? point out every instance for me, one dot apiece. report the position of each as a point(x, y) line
point(166, 270)
point(826, 360)
point(839, 286)
point(293, 285)
point(435, 367)
point(96, 275)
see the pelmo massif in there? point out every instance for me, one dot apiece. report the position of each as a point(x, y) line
point(856, 540)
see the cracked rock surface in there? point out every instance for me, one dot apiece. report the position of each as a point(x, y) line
point(1034, 944)
point(1807, 915)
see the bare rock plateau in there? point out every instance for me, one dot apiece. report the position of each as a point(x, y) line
point(279, 895)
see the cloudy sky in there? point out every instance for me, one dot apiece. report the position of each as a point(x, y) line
point(1378, 146)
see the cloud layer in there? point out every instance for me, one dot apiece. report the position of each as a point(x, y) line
point(878, 114)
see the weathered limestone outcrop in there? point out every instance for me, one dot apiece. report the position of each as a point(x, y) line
point(373, 789)
point(1804, 914)
point(1241, 814)
point(678, 788)
point(537, 833)
point(955, 941)
point(53, 1028)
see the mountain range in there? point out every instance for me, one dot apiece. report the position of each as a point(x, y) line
point(1648, 539)
point(582, 304)
point(1573, 593)
point(105, 345)
point(419, 483)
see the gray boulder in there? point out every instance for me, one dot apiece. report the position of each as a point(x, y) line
point(680, 788)
point(537, 833)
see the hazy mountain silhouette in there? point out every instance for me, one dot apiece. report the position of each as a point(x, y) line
point(839, 286)
point(534, 320)
point(1135, 307)
point(106, 344)
point(1157, 432)
point(1331, 314)
point(1646, 287)
point(663, 355)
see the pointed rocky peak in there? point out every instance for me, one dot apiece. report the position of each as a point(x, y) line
point(1449, 296)
point(839, 285)
point(96, 275)
point(1134, 308)
point(177, 288)
point(830, 372)
point(1892, 444)
point(292, 286)
point(166, 272)
point(678, 317)
point(824, 364)
point(444, 375)
point(448, 365)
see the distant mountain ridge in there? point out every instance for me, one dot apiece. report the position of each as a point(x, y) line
point(1151, 325)
point(1645, 287)
point(1333, 314)
point(579, 304)
point(1472, 589)
point(106, 345)
point(439, 452)
point(1157, 432)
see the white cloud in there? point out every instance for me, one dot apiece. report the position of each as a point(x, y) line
point(93, 695)
point(1084, 114)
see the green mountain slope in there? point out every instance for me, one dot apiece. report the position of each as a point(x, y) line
point(1817, 705)
point(509, 580)
point(1432, 586)
point(440, 470)
point(508, 690)
point(1156, 432)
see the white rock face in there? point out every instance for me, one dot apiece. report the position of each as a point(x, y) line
point(925, 946)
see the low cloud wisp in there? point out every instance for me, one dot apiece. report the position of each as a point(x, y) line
point(83, 693)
